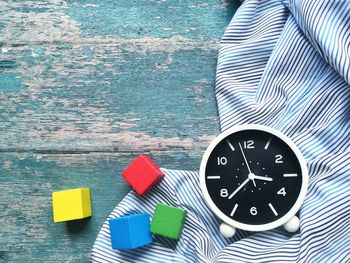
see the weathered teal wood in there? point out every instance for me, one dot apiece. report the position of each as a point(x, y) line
point(85, 86)
point(83, 107)
point(27, 180)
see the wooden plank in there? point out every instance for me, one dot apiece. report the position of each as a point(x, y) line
point(47, 21)
point(76, 77)
point(87, 85)
point(27, 180)
point(113, 101)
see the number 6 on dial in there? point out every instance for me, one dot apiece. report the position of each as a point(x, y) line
point(253, 211)
point(261, 179)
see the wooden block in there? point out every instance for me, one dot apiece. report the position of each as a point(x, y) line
point(168, 221)
point(130, 232)
point(142, 174)
point(71, 204)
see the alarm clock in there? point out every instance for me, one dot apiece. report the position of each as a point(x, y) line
point(254, 178)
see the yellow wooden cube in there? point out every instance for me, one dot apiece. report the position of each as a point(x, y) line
point(71, 204)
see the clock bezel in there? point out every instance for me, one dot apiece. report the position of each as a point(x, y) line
point(249, 227)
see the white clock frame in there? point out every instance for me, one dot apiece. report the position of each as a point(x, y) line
point(263, 227)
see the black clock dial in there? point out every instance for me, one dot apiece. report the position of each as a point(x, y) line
point(253, 177)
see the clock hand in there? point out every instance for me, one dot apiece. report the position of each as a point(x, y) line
point(263, 178)
point(254, 182)
point(245, 159)
point(239, 188)
point(246, 162)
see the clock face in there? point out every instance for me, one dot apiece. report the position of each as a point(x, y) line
point(253, 177)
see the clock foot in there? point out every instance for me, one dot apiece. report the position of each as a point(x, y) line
point(227, 230)
point(292, 225)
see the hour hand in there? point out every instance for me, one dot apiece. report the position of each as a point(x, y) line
point(264, 178)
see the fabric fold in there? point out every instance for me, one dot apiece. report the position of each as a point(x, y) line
point(326, 24)
point(284, 64)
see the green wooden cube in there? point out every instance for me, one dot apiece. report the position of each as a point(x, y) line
point(168, 221)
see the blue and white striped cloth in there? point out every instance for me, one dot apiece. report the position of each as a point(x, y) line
point(285, 64)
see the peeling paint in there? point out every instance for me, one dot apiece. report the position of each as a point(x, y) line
point(10, 82)
point(92, 86)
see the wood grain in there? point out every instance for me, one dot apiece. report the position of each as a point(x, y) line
point(110, 104)
point(28, 233)
point(85, 86)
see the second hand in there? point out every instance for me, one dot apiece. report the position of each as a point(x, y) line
point(245, 160)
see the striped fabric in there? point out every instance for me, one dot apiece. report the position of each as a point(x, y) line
point(285, 64)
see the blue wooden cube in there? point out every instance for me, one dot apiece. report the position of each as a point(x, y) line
point(129, 232)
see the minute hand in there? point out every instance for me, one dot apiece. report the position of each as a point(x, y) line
point(263, 178)
point(245, 159)
point(239, 188)
point(246, 162)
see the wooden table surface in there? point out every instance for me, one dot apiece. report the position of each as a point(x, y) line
point(85, 86)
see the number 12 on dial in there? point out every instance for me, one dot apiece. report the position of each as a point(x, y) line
point(261, 179)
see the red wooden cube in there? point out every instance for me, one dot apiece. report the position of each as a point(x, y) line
point(142, 174)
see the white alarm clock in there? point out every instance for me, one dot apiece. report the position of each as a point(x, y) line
point(254, 178)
